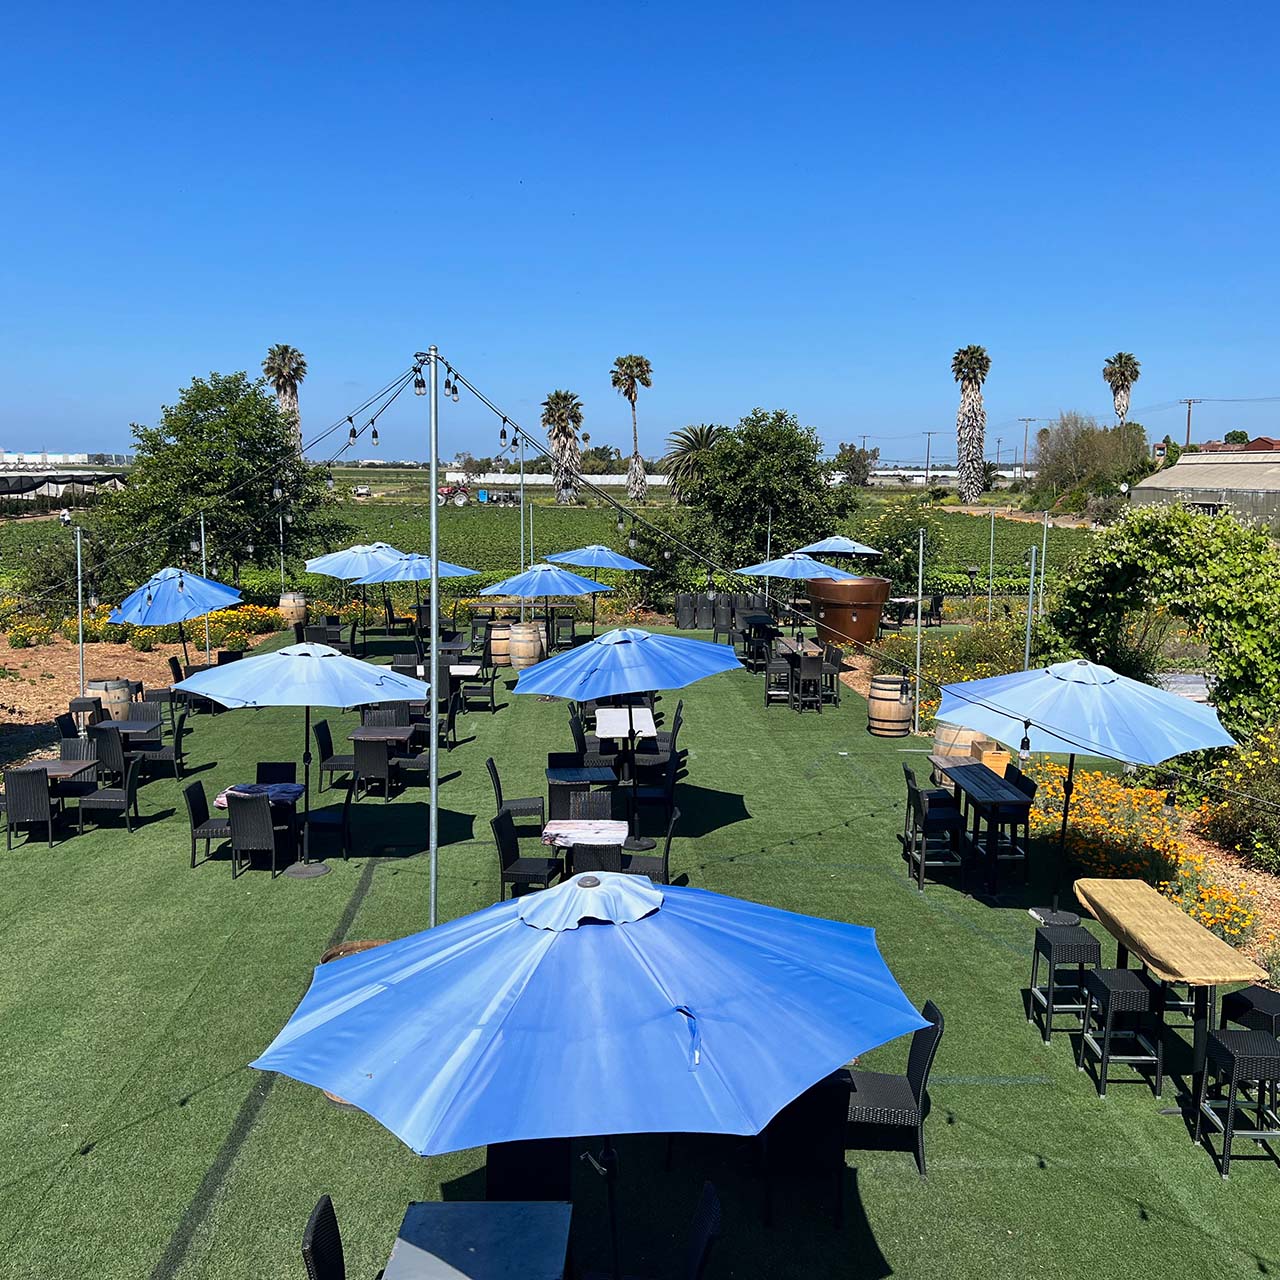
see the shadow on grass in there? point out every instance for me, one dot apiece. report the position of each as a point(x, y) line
point(703, 810)
point(400, 830)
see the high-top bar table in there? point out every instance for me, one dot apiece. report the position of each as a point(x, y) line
point(989, 796)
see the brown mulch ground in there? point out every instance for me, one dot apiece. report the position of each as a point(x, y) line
point(1231, 869)
point(43, 679)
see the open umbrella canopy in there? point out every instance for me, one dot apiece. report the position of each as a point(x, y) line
point(174, 595)
point(412, 567)
point(544, 580)
point(794, 565)
point(597, 557)
point(354, 562)
point(1083, 708)
point(839, 545)
point(605, 1005)
point(303, 675)
point(628, 660)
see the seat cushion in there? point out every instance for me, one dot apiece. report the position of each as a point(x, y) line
point(531, 868)
point(877, 1098)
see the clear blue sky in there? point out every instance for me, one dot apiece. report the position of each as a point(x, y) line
point(798, 206)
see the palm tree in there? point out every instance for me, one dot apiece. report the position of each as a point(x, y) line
point(628, 375)
point(562, 417)
point(687, 451)
point(1120, 372)
point(285, 367)
point(970, 366)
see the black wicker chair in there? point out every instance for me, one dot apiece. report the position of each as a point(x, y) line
point(166, 700)
point(276, 771)
point(656, 866)
point(931, 831)
point(524, 807)
point(374, 764)
point(513, 868)
point(481, 688)
point(64, 725)
point(722, 619)
point(806, 682)
point(661, 793)
point(388, 717)
point(76, 749)
point(122, 800)
point(329, 762)
point(171, 754)
point(322, 1244)
point(108, 743)
point(330, 824)
point(892, 1101)
point(564, 630)
point(252, 830)
point(597, 857)
point(203, 827)
point(29, 800)
point(591, 804)
point(832, 665)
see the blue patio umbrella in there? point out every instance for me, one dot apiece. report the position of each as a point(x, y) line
point(545, 580)
point(839, 545)
point(628, 660)
point(174, 595)
point(605, 1005)
point(1083, 707)
point(355, 562)
point(794, 565)
point(413, 567)
point(303, 675)
point(597, 557)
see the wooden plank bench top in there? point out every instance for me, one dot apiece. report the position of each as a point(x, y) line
point(1169, 942)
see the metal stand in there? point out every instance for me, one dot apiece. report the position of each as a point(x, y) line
point(305, 870)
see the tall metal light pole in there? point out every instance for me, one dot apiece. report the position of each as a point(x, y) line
point(919, 624)
point(1044, 559)
point(991, 570)
point(80, 605)
point(204, 573)
point(1031, 600)
point(431, 358)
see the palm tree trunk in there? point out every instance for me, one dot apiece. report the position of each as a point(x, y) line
point(1121, 399)
point(971, 426)
point(635, 468)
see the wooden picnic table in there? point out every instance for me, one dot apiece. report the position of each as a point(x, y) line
point(1174, 947)
point(989, 797)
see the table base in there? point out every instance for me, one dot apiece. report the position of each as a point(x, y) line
point(306, 870)
point(638, 844)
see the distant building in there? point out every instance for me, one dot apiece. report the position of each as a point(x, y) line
point(1244, 480)
point(1259, 444)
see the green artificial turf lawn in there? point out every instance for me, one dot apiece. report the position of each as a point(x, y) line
point(134, 990)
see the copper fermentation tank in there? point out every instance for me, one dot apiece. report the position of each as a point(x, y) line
point(849, 609)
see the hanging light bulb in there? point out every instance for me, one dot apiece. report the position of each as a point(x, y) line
point(328, 481)
point(288, 518)
point(502, 435)
point(448, 381)
point(419, 383)
point(455, 393)
point(515, 438)
point(666, 555)
point(373, 439)
point(276, 492)
point(620, 524)
point(351, 435)
point(182, 586)
point(148, 597)
point(195, 544)
point(249, 548)
point(93, 599)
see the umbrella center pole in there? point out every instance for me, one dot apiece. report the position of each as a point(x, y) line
point(606, 1165)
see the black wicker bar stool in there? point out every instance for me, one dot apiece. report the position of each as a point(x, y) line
point(1060, 945)
point(1255, 1007)
point(1239, 1057)
point(1116, 992)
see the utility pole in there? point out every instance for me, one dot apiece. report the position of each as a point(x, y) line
point(864, 443)
point(1026, 433)
point(1189, 403)
point(928, 450)
point(999, 442)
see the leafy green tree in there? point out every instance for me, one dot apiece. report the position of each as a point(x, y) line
point(970, 366)
point(601, 459)
point(1236, 437)
point(1074, 455)
point(767, 473)
point(628, 375)
point(1120, 372)
point(562, 417)
point(1166, 562)
point(687, 451)
point(223, 448)
point(285, 367)
point(1172, 451)
point(855, 464)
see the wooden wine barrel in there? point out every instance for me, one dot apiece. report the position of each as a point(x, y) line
point(527, 644)
point(951, 740)
point(293, 607)
point(500, 643)
point(115, 697)
point(889, 713)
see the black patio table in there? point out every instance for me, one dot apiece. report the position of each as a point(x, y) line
point(129, 727)
point(60, 770)
point(563, 779)
point(986, 792)
point(393, 733)
point(481, 1240)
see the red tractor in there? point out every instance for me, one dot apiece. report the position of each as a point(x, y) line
point(458, 494)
